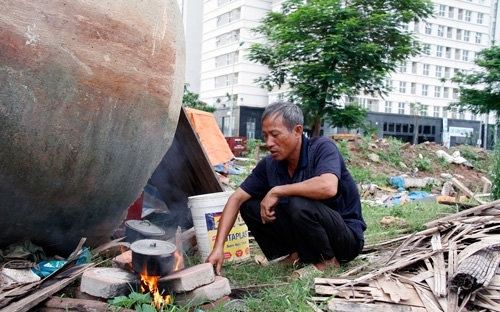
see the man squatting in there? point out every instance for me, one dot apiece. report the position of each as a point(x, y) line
point(300, 202)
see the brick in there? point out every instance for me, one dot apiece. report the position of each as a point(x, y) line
point(211, 292)
point(188, 279)
point(108, 282)
point(123, 261)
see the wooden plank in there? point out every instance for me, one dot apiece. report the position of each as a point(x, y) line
point(389, 287)
point(463, 213)
point(336, 281)
point(452, 267)
point(439, 266)
point(82, 305)
point(466, 190)
point(343, 306)
point(46, 291)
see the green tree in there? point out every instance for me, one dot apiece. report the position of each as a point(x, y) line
point(325, 49)
point(480, 91)
point(191, 99)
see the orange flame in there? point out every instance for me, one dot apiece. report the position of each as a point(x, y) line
point(179, 264)
point(150, 283)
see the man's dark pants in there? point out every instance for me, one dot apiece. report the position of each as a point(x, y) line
point(306, 226)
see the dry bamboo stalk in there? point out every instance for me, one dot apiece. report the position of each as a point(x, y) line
point(477, 270)
point(439, 266)
point(462, 213)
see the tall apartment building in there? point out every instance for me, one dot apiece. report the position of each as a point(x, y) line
point(192, 18)
point(421, 88)
point(227, 77)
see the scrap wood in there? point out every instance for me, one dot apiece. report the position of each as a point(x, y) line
point(45, 291)
point(343, 306)
point(82, 305)
point(462, 213)
point(466, 190)
point(439, 288)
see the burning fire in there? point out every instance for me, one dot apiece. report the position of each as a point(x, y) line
point(150, 284)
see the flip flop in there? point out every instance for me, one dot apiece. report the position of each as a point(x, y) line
point(261, 260)
point(308, 270)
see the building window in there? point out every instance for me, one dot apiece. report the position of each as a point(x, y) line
point(439, 71)
point(388, 107)
point(228, 59)
point(447, 72)
point(459, 34)
point(216, 82)
point(441, 31)
point(457, 54)
point(466, 35)
point(442, 10)
point(436, 111)
point(460, 14)
point(468, 15)
point(428, 28)
point(446, 92)
point(478, 37)
point(228, 80)
point(218, 21)
point(402, 87)
point(449, 32)
point(402, 67)
point(439, 51)
point(425, 90)
point(413, 88)
point(427, 49)
point(455, 93)
point(401, 108)
point(251, 127)
point(426, 70)
point(437, 91)
point(448, 52)
point(451, 12)
point(465, 55)
point(414, 67)
point(479, 18)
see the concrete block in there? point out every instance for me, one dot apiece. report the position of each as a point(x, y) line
point(109, 282)
point(123, 261)
point(211, 292)
point(188, 279)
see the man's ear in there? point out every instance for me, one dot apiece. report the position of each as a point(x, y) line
point(297, 130)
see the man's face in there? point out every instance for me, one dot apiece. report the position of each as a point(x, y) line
point(281, 142)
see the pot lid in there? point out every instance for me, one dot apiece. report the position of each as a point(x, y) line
point(152, 247)
point(144, 227)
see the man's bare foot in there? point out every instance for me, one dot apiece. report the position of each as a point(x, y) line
point(327, 263)
point(292, 259)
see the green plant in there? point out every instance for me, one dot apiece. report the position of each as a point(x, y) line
point(495, 172)
point(422, 164)
point(343, 147)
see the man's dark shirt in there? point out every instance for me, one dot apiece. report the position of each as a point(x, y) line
point(318, 155)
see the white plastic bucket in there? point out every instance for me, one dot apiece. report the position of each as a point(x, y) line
point(206, 211)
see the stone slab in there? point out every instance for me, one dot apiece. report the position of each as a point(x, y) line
point(211, 292)
point(188, 279)
point(123, 261)
point(108, 282)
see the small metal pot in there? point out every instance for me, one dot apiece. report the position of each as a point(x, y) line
point(153, 257)
point(142, 229)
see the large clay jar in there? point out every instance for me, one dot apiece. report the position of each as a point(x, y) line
point(90, 95)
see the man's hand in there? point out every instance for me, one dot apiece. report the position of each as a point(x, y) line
point(267, 206)
point(216, 258)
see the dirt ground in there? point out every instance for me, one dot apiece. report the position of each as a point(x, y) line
point(469, 174)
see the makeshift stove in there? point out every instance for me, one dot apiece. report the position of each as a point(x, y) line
point(156, 266)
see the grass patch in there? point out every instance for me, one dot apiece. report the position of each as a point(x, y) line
point(414, 214)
